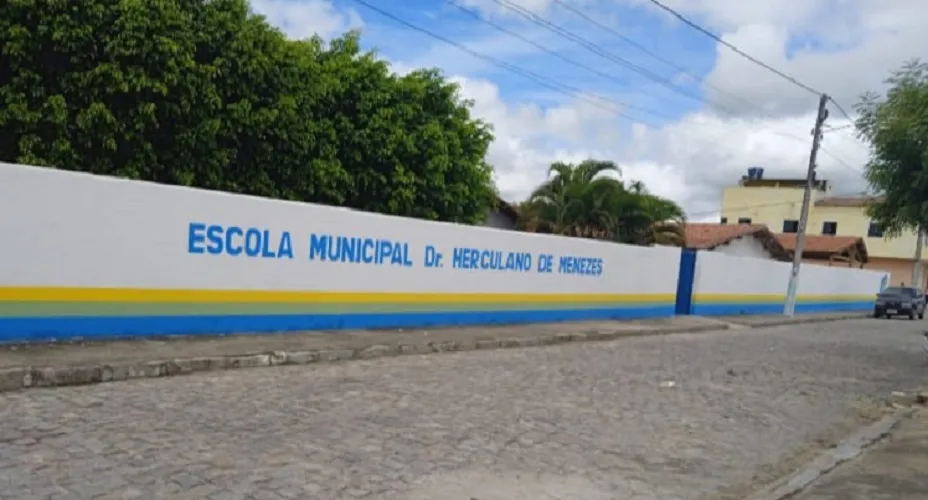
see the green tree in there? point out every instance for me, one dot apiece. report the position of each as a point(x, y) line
point(408, 143)
point(205, 93)
point(590, 200)
point(896, 127)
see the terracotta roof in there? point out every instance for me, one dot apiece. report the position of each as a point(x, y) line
point(846, 201)
point(825, 245)
point(707, 236)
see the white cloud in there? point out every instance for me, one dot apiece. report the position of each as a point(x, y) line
point(692, 159)
point(688, 161)
point(305, 18)
point(857, 42)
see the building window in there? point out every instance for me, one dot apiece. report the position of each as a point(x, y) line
point(724, 220)
point(830, 227)
point(791, 226)
point(744, 220)
point(875, 230)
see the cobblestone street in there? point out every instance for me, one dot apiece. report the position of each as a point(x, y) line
point(590, 421)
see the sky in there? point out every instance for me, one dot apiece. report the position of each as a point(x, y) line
point(622, 80)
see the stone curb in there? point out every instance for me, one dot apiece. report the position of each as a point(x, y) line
point(27, 377)
point(803, 321)
point(847, 449)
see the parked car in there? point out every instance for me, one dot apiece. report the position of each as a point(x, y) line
point(900, 301)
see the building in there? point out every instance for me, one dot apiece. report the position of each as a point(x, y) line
point(777, 204)
point(843, 251)
point(502, 216)
point(738, 240)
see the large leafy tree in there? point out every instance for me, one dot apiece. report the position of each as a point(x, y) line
point(205, 93)
point(896, 127)
point(590, 200)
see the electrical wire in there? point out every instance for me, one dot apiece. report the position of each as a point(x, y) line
point(592, 47)
point(735, 49)
point(530, 75)
point(553, 53)
point(841, 109)
point(541, 80)
point(645, 50)
point(538, 20)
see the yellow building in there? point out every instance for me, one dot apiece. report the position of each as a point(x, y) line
point(777, 204)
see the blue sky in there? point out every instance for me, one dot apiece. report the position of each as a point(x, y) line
point(689, 140)
point(682, 47)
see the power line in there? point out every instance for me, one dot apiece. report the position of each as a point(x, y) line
point(592, 47)
point(537, 78)
point(531, 75)
point(838, 159)
point(645, 50)
point(553, 53)
point(735, 49)
point(843, 112)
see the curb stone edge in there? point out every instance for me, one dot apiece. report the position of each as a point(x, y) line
point(848, 449)
point(28, 377)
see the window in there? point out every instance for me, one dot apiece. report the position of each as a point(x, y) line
point(744, 220)
point(904, 291)
point(791, 226)
point(724, 220)
point(874, 231)
point(830, 227)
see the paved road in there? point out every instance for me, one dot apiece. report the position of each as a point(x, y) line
point(588, 421)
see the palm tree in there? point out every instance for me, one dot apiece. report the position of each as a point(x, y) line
point(589, 200)
point(576, 200)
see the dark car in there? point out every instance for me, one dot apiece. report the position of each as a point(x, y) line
point(900, 301)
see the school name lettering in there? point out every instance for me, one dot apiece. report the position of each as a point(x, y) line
point(253, 242)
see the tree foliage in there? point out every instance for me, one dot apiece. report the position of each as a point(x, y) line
point(896, 127)
point(205, 93)
point(590, 200)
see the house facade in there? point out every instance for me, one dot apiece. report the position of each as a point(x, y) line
point(836, 223)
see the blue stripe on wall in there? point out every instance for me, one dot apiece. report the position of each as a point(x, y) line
point(731, 309)
point(13, 329)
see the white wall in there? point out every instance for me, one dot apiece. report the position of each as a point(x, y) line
point(735, 285)
point(745, 246)
point(71, 234)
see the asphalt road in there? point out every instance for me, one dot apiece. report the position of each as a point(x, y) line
point(587, 421)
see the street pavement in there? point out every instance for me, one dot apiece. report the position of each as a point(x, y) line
point(685, 416)
point(893, 470)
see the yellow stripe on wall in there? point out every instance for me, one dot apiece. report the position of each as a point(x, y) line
point(75, 294)
point(721, 298)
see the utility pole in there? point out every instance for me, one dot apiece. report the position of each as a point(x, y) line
point(790, 307)
point(917, 261)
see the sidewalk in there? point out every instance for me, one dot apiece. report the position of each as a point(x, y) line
point(896, 469)
point(46, 365)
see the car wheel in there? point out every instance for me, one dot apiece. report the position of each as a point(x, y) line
point(887, 316)
point(876, 314)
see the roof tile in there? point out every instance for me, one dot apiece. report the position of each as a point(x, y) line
point(820, 243)
point(705, 236)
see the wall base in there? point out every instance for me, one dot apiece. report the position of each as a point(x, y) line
point(13, 329)
point(734, 309)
